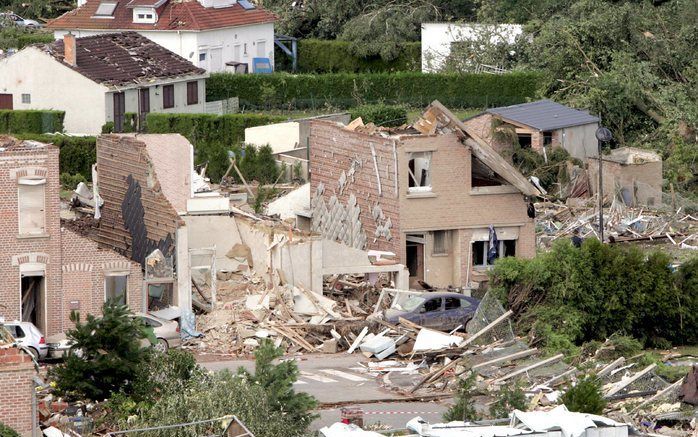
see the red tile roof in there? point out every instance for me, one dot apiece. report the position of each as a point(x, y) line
point(123, 59)
point(174, 15)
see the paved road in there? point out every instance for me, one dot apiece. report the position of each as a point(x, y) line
point(338, 378)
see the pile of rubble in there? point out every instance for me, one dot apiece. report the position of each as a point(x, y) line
point(621, 223)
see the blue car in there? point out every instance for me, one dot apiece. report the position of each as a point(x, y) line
point(442, 311)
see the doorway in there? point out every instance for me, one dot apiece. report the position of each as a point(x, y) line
point(119, 111)
point(216, 59)
point(262, 48)
point(33, 306)
point(414, 256)
point(143, 107)
point(6, 101)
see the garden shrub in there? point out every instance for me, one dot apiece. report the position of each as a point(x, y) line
point(584, 397)
point(464, 407)
point(14, 37)
point(345, 90)
point(6, 431)
point(212, 135)
point(77, 154)
point(381, 115)
point(30, 121)
point(509, 398)
point(70, 181)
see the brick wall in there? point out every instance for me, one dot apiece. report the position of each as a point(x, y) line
point(137, 217)
point(481, 125)
point(16, 373)
point(84, 268)
point(45, 250)
point(332, 149)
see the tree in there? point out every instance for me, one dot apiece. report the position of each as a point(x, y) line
point(277, 381)
point(510, 397)
point(464, 407)
point(106, 354)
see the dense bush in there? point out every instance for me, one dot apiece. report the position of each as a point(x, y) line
point(345, 90)
point(6, 431)
point(335, 56)
point(110, 354)
point(463, 408)
point(585, 397)
point(381, 115)
point(70, 181)
point(30, 122)
point(212, 135)
point(77, 154)
point(569, 296)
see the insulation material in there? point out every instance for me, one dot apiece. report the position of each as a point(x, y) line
point(435, 340)
point(338, 222)
point(559, 418)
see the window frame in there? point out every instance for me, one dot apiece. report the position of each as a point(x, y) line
point(485, 246)
point(28, 99)
point(117, 275)
point(446, 249)
point(31, 182)
point(414, 183)
point(193, 92)
point(168, 96)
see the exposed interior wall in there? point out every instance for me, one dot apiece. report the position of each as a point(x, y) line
point(171, 156)
point(636, 183)
point(226, 236)
point(136, 218)
point(280, 136)
point(354, 192)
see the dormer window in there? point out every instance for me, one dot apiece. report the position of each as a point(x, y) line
point(144, 15)
point(105, 10)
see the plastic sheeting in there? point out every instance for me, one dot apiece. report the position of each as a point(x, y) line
point(339, 429)
point(569, 423)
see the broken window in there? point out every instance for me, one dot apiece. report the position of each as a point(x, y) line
point(31, 197)
point(483, 176)
point(441, 240)
point(432, 305)
point(419, 171)
point(115, 288)
point(547, 138)
point(480, 249)
point(160, 296)
point(524, 140)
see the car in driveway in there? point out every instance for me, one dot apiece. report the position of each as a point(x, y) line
point(166, 332)
point(28, 336)
point(10, 18)
point(442, 311)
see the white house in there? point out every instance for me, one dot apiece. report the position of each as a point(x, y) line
point(99, 79)
point(208, 33)
point(437, 39)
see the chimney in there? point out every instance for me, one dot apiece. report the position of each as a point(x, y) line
point(70, 55)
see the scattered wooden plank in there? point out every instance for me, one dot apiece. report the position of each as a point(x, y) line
point(529, 368)
point(622, 384)
point(510, 357)
point(608, 369)
point(357, 342)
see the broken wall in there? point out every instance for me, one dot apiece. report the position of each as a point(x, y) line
point(85, 268)
point(453, 205)
point(481, 125)
point(354, 187)
point(16, 385)
point(638, 184)
point(136, 218)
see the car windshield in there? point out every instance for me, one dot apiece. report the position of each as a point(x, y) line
point(412, 303)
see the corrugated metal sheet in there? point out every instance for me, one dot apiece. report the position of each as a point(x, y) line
point(544, 115)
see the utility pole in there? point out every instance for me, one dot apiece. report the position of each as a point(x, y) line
point(603, 135)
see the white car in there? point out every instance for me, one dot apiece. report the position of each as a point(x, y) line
point(30, 337)
point(12, 18)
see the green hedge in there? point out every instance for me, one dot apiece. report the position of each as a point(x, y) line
point(77, 154)
point(211, 135)
point(344, 90)
point(332, 56)
point(31, 122)
point(17, 38)
point(381, 115)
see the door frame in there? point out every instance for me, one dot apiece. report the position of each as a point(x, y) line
point(11, 97)
point(142, 110)
point(119, 110)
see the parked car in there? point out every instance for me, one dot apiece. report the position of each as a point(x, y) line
point(443, 311)
point(166, 332)
point(12, 18)
point(30, 337)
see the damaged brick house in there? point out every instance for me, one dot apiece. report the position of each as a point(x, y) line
point(427, 193)
point(540, 126)
point(46, 269)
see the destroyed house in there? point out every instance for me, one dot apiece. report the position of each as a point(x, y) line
point(539, 126)
point(428, 193)
point(48, 269)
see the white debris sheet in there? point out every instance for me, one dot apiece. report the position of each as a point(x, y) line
point(569, 423)
point(460, 429)
point(339, 429)
point(435, 340)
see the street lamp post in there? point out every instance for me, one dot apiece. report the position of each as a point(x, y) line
point(603, 135)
